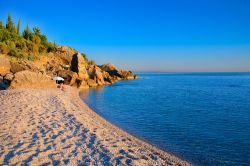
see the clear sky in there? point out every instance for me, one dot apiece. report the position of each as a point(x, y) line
point(146, 35)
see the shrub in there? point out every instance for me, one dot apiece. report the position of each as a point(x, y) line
point(42, 49)
point(50, 47)
point(21, 44)
point(21, 55)
point(17, 53)
point(91, 62)
point(4, 48)
point(4, 35)
point(27, 34)
point(33, 48)
point(32, 57)
point(84, 56)
point(44, 40)
point(1, 25)
point(13, 52)
point(11, 44)
point(36, 39)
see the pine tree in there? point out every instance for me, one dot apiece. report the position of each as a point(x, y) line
point(18, 27)
point(1, 25)
point(10, 25)
point(27, 34)
point(54, 44)
point(37, 31)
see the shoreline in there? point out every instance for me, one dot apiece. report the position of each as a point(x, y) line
point(142, 140)
point(135, 138)
point(63, 129)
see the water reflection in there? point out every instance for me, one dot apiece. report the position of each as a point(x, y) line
point(84, 94)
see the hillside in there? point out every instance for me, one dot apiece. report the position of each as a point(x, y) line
point(31, 51)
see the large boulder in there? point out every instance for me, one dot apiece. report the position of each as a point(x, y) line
point(107, 78)
point(4, 66)
point(91, 83)
point(9, 77)
point(108, 67)
point(83, 84)
point(112, 70)
point(23, 65)
point(96, 74)
point(29, 79)
point(78, 66)
point(126, 75)
point(53, 68)
point(114, 74)
point(65, 53)
point(136, 76)
point(70, 77)
point(65, 49)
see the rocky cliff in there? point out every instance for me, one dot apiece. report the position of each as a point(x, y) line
point(64, 62)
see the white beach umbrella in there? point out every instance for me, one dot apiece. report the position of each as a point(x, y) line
point(57, 78)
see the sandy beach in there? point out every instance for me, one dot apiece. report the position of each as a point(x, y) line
point(54, 127)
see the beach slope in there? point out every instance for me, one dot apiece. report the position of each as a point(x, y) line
point(51, 126)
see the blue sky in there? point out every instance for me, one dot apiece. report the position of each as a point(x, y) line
point(146, 35)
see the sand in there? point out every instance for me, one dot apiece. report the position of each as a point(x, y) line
point(54, 127)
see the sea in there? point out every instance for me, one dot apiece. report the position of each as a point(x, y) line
point(203, 118)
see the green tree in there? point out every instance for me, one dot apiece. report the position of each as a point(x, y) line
point(1, 25)
point(18, 27)
point(44, 40)
point(27, 34)
point(37, 31)
point(10, 25)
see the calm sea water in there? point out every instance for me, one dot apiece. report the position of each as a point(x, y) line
point(202, 118)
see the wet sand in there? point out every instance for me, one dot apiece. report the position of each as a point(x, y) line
point(54, 127)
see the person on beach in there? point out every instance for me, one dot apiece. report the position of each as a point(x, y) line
point(60, 86)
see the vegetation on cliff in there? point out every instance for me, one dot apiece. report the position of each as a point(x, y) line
point(26, 45)
point(30, 44)
point(30, 50)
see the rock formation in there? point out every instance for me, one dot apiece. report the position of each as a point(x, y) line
point(65, 53)
point(23, 65)
point(70, 77)
point(95, 73)
point(78, 65)
point(64, 62)
point(4, 66)
point(9, 77)
point(111, 69)
point(126, 75)
point(108, 67)
point(118, 74)
point(29, 79)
